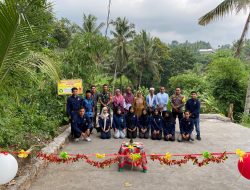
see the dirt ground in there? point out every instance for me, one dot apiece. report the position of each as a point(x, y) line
point(217, 136)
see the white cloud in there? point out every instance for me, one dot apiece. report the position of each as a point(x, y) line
point(167, 19)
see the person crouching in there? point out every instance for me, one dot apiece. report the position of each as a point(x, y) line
point(168, 126)
point(81, 126)
point(186, 128)
point(144, 124)
point(119, 124)
point(104, 123)
point(156, 126)
point(131, 123)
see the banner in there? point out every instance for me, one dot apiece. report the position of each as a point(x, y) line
point(64, 86)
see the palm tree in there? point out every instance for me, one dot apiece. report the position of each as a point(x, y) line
point(15, 57)
point(145, 54)
point(123, 31)
point(225, 8)
point(90, 26)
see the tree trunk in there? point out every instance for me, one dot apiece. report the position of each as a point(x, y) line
point(107, 24)
point(140, 79)
point(115, 77)
point(247, 102)
point(243, 35)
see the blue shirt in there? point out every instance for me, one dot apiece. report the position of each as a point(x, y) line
point(88, 105)
point(162, 100)
point(119, 122)
point(151, 101)
point(144, 122)
point(131, 121)
point(193, 105)
point(186, 126)
point(156, 123)
point(73, 105)
point(81, 124)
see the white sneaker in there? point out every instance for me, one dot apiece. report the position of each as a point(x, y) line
point(88, 139)
point(76, 139)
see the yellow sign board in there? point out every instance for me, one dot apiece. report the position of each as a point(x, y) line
point(64, 86)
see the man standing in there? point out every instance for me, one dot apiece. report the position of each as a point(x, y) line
point(177, 103)
point(151, 100)
point(193, 105)
point(105, 98)
point(88, 105)
point(162, 100)
point(94, 95)
point(73, 105)
point(129, 98)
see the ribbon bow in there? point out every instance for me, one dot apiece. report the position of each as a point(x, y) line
point(241, 154)
point(23, 154)
point(168, 156)
point(64, 155)
point(206, 154)
point(100, 156)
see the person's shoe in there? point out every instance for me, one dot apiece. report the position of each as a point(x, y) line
point(191, 139)
point(179, 140)
point(198, 137)
point(77, 139)
point(88, 139)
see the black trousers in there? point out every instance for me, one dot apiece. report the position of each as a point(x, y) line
point(131, 134)
point(105, 135)
point(143, 135)
point(156, 136)
point(179, 114)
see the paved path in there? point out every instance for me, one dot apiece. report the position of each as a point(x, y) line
point(216, 136)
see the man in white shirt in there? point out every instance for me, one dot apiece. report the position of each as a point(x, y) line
point(150, 100)
point(162, 99)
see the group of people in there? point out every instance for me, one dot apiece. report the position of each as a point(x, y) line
point(133, 116)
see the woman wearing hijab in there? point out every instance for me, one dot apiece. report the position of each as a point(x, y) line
point(139, 104)
point(131, 123)
point(129, 98)
point(105, 124)
point(168, 127)
point(144, 124)
point(156, 126)
point(119, 124)
point(118, 101)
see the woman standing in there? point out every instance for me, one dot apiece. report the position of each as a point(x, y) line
point(118, 101)
point(139, 104)
point(105, 124)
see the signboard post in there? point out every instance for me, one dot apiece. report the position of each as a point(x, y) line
point(64, 86)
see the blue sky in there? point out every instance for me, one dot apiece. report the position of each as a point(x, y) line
point(167, 19)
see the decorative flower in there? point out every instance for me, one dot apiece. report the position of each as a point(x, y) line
point(135, 157)
point(23, 154)
point(168, 156)
point(97, 155)
point(64, 155)
point(206, 154)
point(241, 154)
point(131, 147)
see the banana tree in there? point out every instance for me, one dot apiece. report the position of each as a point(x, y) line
point(16, 59)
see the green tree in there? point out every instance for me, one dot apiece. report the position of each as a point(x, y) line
point(84, 57)
point(180, 60)
point(123, 31)
point(90, 25)
point(228, 80)
point(145, 56)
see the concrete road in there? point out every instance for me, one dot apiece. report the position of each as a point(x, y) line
point(216, 136)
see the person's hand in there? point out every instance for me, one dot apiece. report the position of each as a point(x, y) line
point(83, 135)
point(124, 130)
point(187, 136)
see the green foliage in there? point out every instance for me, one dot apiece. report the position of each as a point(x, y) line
point(228, 80)
point(245, 120)
point(84, 57)
point(188, 82)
